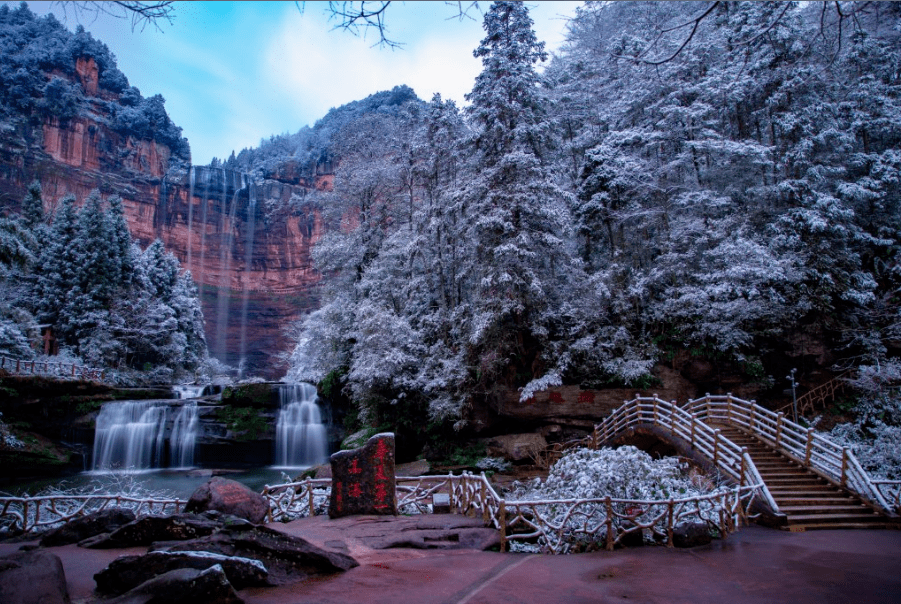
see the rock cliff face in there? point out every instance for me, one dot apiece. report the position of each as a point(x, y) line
point(248, 252)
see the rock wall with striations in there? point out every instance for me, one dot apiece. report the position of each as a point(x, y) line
point(246, 243)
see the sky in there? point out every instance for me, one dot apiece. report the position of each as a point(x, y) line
point(234, 73)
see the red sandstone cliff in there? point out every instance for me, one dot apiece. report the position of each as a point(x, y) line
point(209, 226)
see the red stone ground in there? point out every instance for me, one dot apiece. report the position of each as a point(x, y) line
point(754, 565)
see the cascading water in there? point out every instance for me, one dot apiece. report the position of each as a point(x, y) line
point(300, 436)
point(129, 436)
point(183, 437)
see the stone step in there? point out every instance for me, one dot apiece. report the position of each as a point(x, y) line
point(816, 526)
point(800, 501)
point(823, 518)
point(792, 510)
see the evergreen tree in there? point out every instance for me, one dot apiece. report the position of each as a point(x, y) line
point(517, 211)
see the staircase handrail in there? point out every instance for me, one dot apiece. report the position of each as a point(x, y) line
point(806, 402)
point(729, 458)
point(814, 451)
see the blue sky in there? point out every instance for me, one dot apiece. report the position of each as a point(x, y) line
point(233, 73)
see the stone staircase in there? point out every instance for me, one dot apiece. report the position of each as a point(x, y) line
point(808, 500)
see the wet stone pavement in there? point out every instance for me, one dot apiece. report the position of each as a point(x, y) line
point(400, 562)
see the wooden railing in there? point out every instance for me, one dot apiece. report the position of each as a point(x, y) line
point(28, 514)
point(730, 459)
point(52, 369)
point(559, 525)
point(812, 401)
point(814, 451)
point(891, 492)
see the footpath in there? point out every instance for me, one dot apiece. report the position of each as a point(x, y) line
point(754, 565)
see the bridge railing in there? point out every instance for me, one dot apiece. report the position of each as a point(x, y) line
point(814, 451)
point(52, 369)
point(732, 460)
point(890, 491)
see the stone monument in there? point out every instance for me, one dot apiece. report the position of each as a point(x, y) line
point(363, 479)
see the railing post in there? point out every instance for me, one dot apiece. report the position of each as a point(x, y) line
point(751, 419)
point(694, 422)
point(655, 411)
point(716, 445)
point(809, 447)
point(502, 523)
point(485, 515)
point(609, 522)
point(707, 405)
point(729, 407)
point(310, 497)
point(779, 422)
point(669, 523)
point(672, 418)
point(844, 466)
point(741, 475)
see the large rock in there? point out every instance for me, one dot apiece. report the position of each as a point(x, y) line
point(79, 529)
point(183, 586)
point(128, 572)
point(287, 558)
point(691, 534)
point(34, 577)
point(363, 480)
point(229, 497)
point(149, 529)
point(516, 447)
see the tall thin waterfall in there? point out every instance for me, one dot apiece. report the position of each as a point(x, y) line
point(183, 437)
point(248, 262)
point(300, 436)
point(129, 436)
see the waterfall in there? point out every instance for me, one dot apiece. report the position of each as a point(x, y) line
point(184, 435)
point(192, 175)
point(248, 262)
point(129, 436)
point(300, 435)
point(186, 391)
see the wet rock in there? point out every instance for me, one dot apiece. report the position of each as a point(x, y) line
point(413, 468)
point(148, 529)
point(230, 497)
point(287, 558)
point(363, 479)
point(34, 577)
point(79, 529)
point(128, 572)
point(184, 586)
point(691, 534)
point(462, 538)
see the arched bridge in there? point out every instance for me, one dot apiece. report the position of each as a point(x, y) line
point(806, 481)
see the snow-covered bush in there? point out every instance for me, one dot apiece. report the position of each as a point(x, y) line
point(622, 474)
point(8, 440)
point(875, 433)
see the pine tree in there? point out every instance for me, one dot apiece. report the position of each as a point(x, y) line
point(517, 211)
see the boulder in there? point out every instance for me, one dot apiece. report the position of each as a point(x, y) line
point(183, 586)
point(229, 497)
point(691, 534)
point(148, 529)
point(516, 447)
point(79, 529)
point(414, 468)
point(33, 577)
point(287, 558)
point(128, 572)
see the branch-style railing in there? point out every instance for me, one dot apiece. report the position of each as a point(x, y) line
point(559, 525)
point(731, 460)
point(69, 371)
point(814, 451)
point(30, 514)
